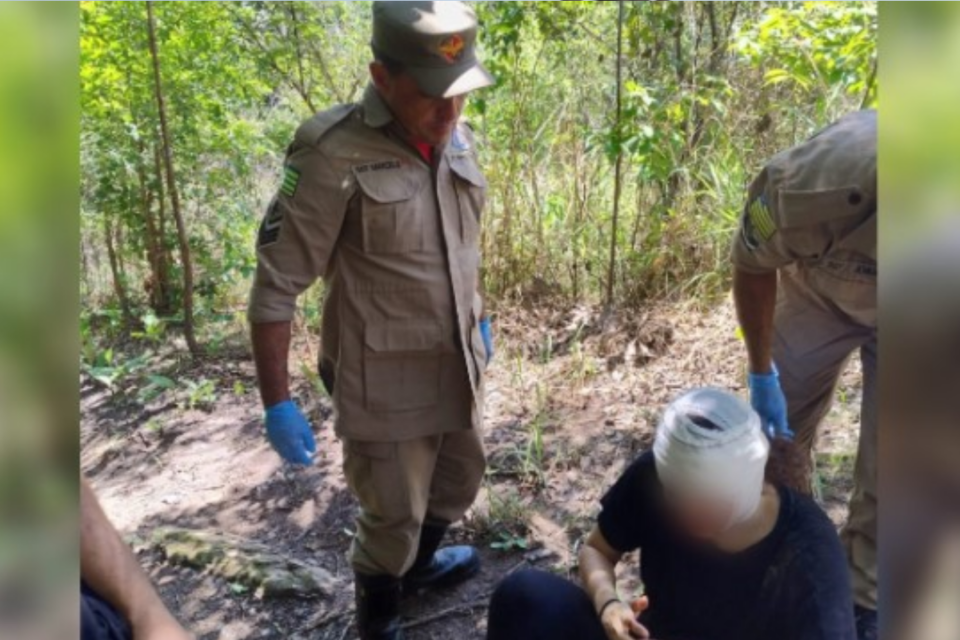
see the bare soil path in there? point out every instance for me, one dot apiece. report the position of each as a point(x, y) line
point(569, 404)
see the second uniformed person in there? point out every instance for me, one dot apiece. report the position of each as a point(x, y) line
point(805, 286)
point(382, 200)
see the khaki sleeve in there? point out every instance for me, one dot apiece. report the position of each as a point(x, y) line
point(761, 243)
point(298, 234)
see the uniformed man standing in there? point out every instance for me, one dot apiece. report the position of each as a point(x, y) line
point(811, 217)
point(383, 199)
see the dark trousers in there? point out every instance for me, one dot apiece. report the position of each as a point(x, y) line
point(534, 605)
point(98, 619)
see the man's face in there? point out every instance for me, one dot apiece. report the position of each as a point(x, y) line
point(426, 119)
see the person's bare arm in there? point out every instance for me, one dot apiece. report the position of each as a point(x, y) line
point(598, 562)
point(109, 567)
point(271, 347)
point(755, 296)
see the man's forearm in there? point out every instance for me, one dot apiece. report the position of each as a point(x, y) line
point(755, 296)
point(109, 567)
point(271, 348)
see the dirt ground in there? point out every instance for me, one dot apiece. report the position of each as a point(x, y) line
point(571, 400)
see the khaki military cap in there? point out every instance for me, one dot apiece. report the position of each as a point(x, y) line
point(435, 41)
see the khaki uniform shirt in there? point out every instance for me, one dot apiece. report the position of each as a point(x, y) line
point(813, 212)
point(396, 243)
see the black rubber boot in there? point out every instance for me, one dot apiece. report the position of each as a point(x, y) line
point(378, 607)
point(866, 623)
point(437, 568)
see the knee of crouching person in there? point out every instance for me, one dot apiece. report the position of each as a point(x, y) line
point(516, 591)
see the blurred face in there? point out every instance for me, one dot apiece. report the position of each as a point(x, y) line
point(426, 119)
point(702, 518)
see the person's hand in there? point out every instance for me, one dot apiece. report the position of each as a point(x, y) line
point(486, 333)
point(620, 623)
point(768, 400)
point(289, 433)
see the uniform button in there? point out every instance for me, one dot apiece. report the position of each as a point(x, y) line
point(855, 198)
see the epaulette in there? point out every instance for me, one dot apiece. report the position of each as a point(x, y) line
point(313, 130)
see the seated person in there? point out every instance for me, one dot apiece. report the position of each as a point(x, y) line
point(117, 601)
point(729, 550)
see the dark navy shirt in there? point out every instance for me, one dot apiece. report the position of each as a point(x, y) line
point(98, 619)
point(792, 585)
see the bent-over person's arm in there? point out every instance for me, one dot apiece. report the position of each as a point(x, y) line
point(109, 567)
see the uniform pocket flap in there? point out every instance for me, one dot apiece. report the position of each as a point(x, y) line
point(805, 208)
point(390, 338)
point(387, 181)
point(466, 168)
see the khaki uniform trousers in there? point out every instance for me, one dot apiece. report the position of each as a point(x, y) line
point(812, 343)
point(403, 485)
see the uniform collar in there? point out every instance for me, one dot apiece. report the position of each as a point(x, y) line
point(376, 113)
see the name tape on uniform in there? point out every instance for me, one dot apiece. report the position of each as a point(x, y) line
point(380, 165)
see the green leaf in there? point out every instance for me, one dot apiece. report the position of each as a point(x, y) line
point(238, 588)
point(161, 381)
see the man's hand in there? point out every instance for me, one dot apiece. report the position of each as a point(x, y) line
point(620, 623)
point(290, 433)
point(487, 333)
point(768, 400)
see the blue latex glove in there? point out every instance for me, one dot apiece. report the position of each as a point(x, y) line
point(768, 400)
point(487, 334)
point(289, 433)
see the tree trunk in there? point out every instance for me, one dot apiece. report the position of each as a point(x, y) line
point(172, 189)
point(618, 173)
point(157, 285)
point(119, 289)
point(164, 257)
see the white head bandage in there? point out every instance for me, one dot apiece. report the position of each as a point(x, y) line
point(709, 444)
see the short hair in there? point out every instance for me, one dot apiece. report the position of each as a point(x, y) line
point(393, 66)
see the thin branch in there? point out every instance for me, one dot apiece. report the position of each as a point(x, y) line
point(461, 609)
point(871, 85)
point(285, 76)
point(304, 91)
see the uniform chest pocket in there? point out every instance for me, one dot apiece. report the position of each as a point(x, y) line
point(811, 218)
point(850, 283)
point(391, 218)
point(471, 189)
point(401, 366)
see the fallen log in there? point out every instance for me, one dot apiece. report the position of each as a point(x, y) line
point(268, 574)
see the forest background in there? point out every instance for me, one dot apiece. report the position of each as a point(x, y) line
point(707, 91)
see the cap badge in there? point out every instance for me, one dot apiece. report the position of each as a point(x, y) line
point(452, 48)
